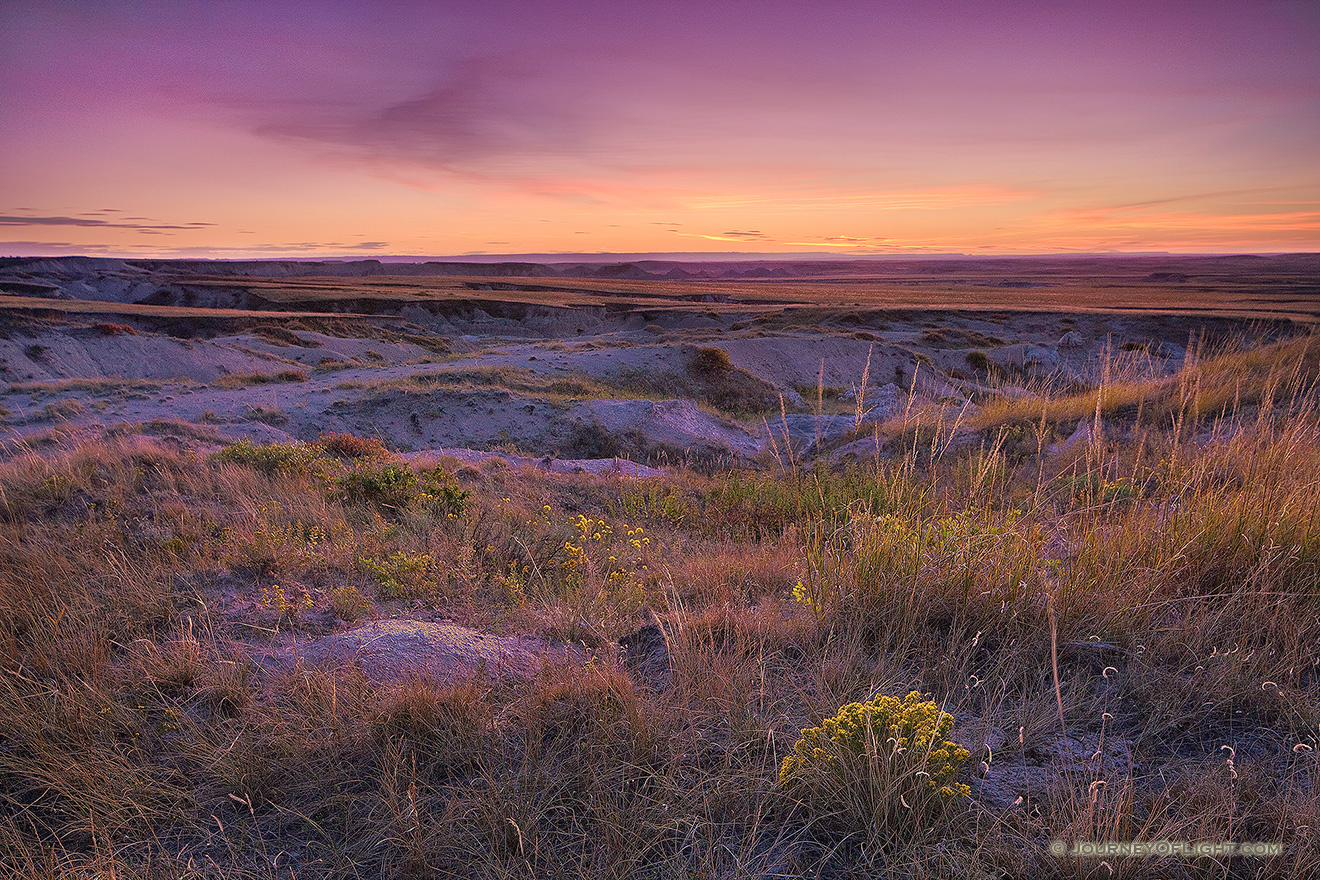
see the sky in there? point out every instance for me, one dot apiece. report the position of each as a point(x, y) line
point(860, 127)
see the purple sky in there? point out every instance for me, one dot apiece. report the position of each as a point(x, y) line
point(271, 129)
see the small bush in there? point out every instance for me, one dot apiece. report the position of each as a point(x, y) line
point(349, 604)
point(441, 492)
point(271, 458)
point(592, 440)
point(979, 360)
point(392, 486)
point(350, 446)
point(710, 363)
point(880, 760)
point(401, 575)
point(286, 603)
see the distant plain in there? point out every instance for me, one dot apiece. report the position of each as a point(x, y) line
point(361, 569)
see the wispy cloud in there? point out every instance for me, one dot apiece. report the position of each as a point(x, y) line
point(752, 235)
point(484, 108)
point(24, 220)
point(842, 241)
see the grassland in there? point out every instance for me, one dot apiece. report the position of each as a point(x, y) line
point(1126, 626)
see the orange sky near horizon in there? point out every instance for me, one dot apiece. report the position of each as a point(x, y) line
point(260, 130)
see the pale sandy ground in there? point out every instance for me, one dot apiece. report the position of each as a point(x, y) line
point(67, 375)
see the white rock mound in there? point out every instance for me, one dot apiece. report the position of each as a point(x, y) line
point(395, 650)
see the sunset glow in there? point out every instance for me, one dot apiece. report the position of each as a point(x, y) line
point(269, 129)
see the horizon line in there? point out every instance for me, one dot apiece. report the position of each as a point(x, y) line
point(652, 256)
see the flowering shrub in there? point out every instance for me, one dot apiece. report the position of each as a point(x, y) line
point(593, 565)
point(277, 542)
point(273, 458)
point(285, 604)
point(440, 492)
point(401, 575)
point(594, 547)
point(878, 756)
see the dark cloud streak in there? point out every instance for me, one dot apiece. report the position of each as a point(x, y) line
point(17, 220)
point(484, 108)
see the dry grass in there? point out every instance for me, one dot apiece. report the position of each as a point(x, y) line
point(247, 380)
point(1151, 591)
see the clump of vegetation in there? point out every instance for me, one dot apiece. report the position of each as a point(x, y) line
point(354, 470)
point(886, 760)
point(351, 446)
point(396, 487)
point(277, 335)
point(593, 440)
point(382, 485)
point(269, 415)
point(285, 603)
point(349, 604)
point(246, 380)
point(884, 728)
point(710, 363)
point(63, 410)
point(401, 575)
point(272, 458)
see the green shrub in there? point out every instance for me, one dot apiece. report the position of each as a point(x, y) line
point(978, 360)
point(349, 604)
point(272, 458)
point(709, 362)
point(441, 492)
point(401, 575)
point(392, 486)
point(879, 761)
